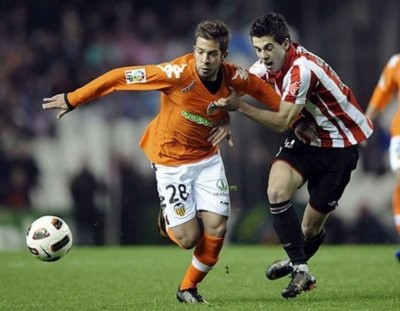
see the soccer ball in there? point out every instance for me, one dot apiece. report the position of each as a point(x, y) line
point(49, 238)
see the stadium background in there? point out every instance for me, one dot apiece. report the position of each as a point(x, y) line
point(48, 47)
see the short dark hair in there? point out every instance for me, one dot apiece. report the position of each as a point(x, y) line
point(270, 24)
point(214, 30)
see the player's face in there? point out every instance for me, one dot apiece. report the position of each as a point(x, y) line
point(208, 58)
point(271, 52)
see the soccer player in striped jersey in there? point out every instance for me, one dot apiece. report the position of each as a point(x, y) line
point(182, 141)
point(310, 91)
point(387, 86)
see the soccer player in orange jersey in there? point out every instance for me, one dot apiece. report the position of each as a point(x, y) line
point(181, 142)
point(388, 85)
point(310, 90)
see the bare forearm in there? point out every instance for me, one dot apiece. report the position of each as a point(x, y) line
point(270, 119)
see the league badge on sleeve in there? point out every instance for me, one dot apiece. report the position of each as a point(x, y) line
point(135, 76)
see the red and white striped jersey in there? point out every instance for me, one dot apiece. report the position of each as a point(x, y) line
point(306, 79)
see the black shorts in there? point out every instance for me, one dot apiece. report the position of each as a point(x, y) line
point(327, 170)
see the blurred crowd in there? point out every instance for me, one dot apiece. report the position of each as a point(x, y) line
point(48, 47)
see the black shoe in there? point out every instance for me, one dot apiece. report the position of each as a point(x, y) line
point(162, 230)
point(301, 281)
point(189, 295)
point(279, 269)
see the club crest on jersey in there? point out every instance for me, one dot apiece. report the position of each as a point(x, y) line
point(135, 76)
point(294, 88)
point(180, 209)
point(211, 109)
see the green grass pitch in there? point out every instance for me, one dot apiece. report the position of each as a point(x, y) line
point(146, 278)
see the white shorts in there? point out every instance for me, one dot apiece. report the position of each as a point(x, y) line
point(189, 188)
point(394, 153)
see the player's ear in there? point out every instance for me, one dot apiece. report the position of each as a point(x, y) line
point(225, 55)
point(286, 44)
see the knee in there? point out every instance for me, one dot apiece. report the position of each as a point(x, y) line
point(214, 224)
point(219, 231)
point(277, 194)
point(187, 242)
point(186, 237)
point(216, 229)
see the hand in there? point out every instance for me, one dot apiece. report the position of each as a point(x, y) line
point(56, 102)
point(218, 133)
point(230, 103)
point(306, 131)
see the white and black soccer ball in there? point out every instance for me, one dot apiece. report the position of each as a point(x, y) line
point(49, 238)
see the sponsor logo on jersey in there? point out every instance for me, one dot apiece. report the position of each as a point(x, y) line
point(197, 119)
point(222, 185)
point(189, 87)
point(135, 76)
point(180, 209)
point(172, 70)
point(240, 73)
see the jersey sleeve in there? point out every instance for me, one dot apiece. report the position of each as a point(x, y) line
point(263, 92)
point(297, 84)
point(245, 82)
point(134, 78)
point(386, 85)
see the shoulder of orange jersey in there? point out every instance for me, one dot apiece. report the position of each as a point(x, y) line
point(394, 61)
point(235, 72)
point(184, 59)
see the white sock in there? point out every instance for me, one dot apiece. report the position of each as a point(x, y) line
point(302, 267)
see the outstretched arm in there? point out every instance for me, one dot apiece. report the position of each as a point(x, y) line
point(279, 121)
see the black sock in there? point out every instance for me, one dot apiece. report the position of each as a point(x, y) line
point(312, 245)
point(288, 229)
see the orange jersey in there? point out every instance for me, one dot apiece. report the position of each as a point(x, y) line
point(388, 84)
point(179, 133)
